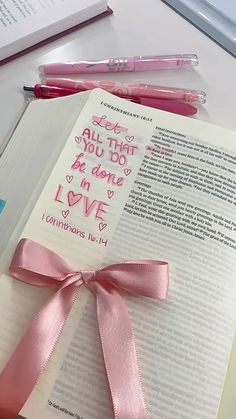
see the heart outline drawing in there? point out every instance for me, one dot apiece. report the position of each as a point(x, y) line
point(101, 226)
point(69, 178)
point(78, 139)
point(73, 198)
point(65, 213)
point(127, 172)
point(110, 193)
point(129, 138)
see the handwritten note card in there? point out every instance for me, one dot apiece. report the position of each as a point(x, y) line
point(82, 201)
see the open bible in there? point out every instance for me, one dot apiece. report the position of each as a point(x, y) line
point(126, 182)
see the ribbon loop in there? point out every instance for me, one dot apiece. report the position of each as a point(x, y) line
point(37, 265)
point(148, 278)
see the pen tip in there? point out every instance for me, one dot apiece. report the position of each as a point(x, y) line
point(28, 89)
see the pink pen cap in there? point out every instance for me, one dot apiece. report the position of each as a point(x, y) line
point(172, 106)
point(165, 62)
point(138, 63)
point(135, 89)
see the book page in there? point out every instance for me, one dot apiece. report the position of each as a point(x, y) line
point(186, 188)
point(33, 148)
point(228, 403)
point(174, 201)
point(76, 216)
point(181, 209)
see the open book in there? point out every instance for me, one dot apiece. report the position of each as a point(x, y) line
point(131, 183)
point(25, 25)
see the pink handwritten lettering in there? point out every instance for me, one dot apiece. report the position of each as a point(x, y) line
point(91, 148)
point(111, 178)
point(115, 157)
point(89, 206)
point(85, 184)
point(100, 210)
point(58, 194)
point(108, 125)
point(73, 198)
point(62, 225)
point(99, 240)
point(95, 207)
point(92, 136)
point(121, 146)
point(78, 165)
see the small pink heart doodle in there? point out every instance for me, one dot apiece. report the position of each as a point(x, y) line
point(73, 198)
point(102, 226)
point(129, 138)
point(65, 213)
point(69, 178)
point(110, 193)
point(127, 172)
point(78, 139)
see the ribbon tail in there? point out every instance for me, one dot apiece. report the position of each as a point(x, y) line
point(119, 353)
point(28, 361)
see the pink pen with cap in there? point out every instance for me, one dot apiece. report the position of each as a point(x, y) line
point(135, 89)
point(109, 65)
point(49, 92)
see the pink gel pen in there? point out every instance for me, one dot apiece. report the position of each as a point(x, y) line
point(138, 63)
point(132, 89)
point(49, 92)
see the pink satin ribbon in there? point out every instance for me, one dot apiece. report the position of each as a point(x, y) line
point(36, 265)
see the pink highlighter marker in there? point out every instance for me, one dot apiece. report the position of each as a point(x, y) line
point(132, 89)
point(139, 63)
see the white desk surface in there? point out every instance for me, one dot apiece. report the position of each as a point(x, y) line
point(136, 28)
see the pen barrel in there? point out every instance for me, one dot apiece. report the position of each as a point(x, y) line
point(123, 64)
point(111, 65)
point(131, 89)
point(49, 92)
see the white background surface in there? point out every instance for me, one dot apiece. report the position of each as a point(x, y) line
point(137, 27)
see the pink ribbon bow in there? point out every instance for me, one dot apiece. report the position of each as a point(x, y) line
point(37, 265)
